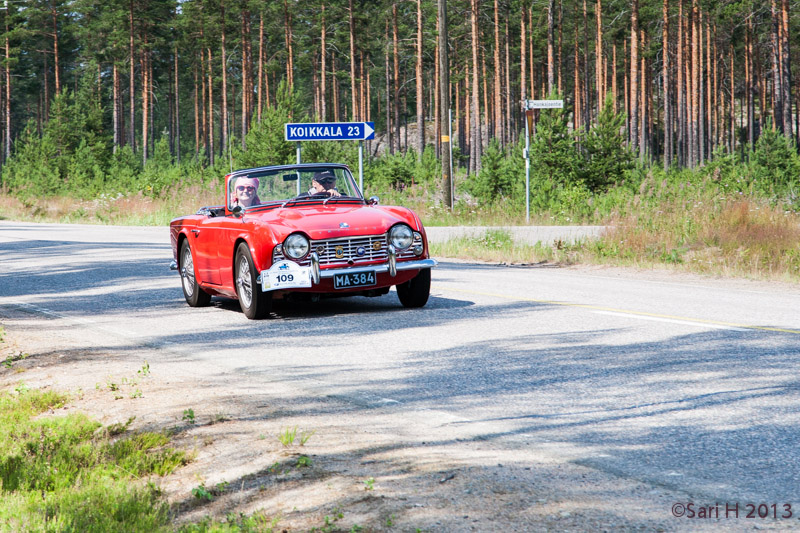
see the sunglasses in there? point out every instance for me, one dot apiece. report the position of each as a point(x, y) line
point(249, 188)
point(326, 180)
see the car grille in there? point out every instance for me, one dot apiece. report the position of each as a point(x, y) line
point(346, 251)
point(342, 251)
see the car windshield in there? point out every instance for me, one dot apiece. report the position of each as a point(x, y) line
point(294, 185)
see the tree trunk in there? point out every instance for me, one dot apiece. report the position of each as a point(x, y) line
point(497, 119)
point(420, 98)
point(389, 131)
point(444, 89)
point(786, 82)
point(353, 77)
point(598, 51)
point(749, 82)
point(587, 84)
point(396, 59)
point(177, 111)
point(777, 94)
point(223, 139)
point(196, 116)
point(696, 90)
point(246, 76)
point(550, 45)
point(475, 148)
point(7, 136)
point(701, 91)
point(507, 92)
point(665, 81)
point(132, 82)
point(634, 98)
point(614, 76)
point(437, 107)
point(287, 24)
point(115, 105)
point(145, 100)
point(211, 153)
point(203, 102)
point(523, 40)
point(323, 47)
point(530, 55)
point(681, 102)
point(260, 101)
point(577, 112)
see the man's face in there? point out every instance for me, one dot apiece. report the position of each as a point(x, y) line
point(324, 183)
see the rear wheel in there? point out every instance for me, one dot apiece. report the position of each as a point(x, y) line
point(415, 292)
point(195, 296)
point(254, 302)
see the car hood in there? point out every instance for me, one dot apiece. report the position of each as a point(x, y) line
point(332, 221)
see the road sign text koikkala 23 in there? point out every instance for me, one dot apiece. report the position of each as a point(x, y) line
point(330, 131)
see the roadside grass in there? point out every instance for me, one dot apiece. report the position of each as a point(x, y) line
point(124, 210)
point(498, 246)
point(707, 233)
point(68, 473)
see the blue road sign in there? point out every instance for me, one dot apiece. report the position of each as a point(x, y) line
point(331, 131)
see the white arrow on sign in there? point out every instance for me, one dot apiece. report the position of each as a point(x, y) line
point(368, 130)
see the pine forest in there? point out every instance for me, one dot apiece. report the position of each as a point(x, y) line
point(97, 92)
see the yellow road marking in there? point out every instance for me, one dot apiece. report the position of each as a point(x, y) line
point(615, 310)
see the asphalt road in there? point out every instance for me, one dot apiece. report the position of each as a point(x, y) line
point(683, 383)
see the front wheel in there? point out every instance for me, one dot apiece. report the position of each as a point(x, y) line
point(195, 296)
point(415, 292)
point(254, 302)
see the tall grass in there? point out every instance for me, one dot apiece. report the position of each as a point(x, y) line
point(127, 210)
point(703, 229)
point(65, 473)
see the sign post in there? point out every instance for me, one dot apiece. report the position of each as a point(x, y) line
point(333, 131)
point(528, 106)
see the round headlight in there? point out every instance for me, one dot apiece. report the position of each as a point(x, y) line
point(296, 246)
point(401, 236)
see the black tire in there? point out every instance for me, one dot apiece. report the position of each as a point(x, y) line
point(255, 303)
point(195, 296)
point(415, 292)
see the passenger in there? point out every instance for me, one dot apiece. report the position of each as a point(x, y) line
point(324, 183)
point(245, 192)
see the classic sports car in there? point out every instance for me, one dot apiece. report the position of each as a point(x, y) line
point(285, 230)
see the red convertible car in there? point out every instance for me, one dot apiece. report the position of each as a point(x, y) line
point(292, 229)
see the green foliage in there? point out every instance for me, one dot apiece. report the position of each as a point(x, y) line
point(607, 157)
point(554, 156)
point(402, 170)
point(265, 141)
point(775, 164)
point(495, 179)
point(62, 474)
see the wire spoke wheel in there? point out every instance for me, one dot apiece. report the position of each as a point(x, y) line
point(254, 302)
point(194, 294)
point(244, 283)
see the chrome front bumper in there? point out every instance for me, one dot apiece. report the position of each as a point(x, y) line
point(392, 267)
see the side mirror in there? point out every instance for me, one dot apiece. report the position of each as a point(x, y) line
point(237, 211)
point(373, 200)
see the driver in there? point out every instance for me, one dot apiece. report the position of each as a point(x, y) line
point(245, 192)
point(324, 183)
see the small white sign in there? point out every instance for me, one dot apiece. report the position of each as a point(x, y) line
point(285, 275)
point(544, 104)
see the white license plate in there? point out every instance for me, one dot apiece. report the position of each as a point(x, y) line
point(355, 279)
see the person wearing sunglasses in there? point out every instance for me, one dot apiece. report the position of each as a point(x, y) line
point(245, 192)
point(324, 183)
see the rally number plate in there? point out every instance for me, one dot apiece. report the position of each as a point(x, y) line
point(356, 279)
